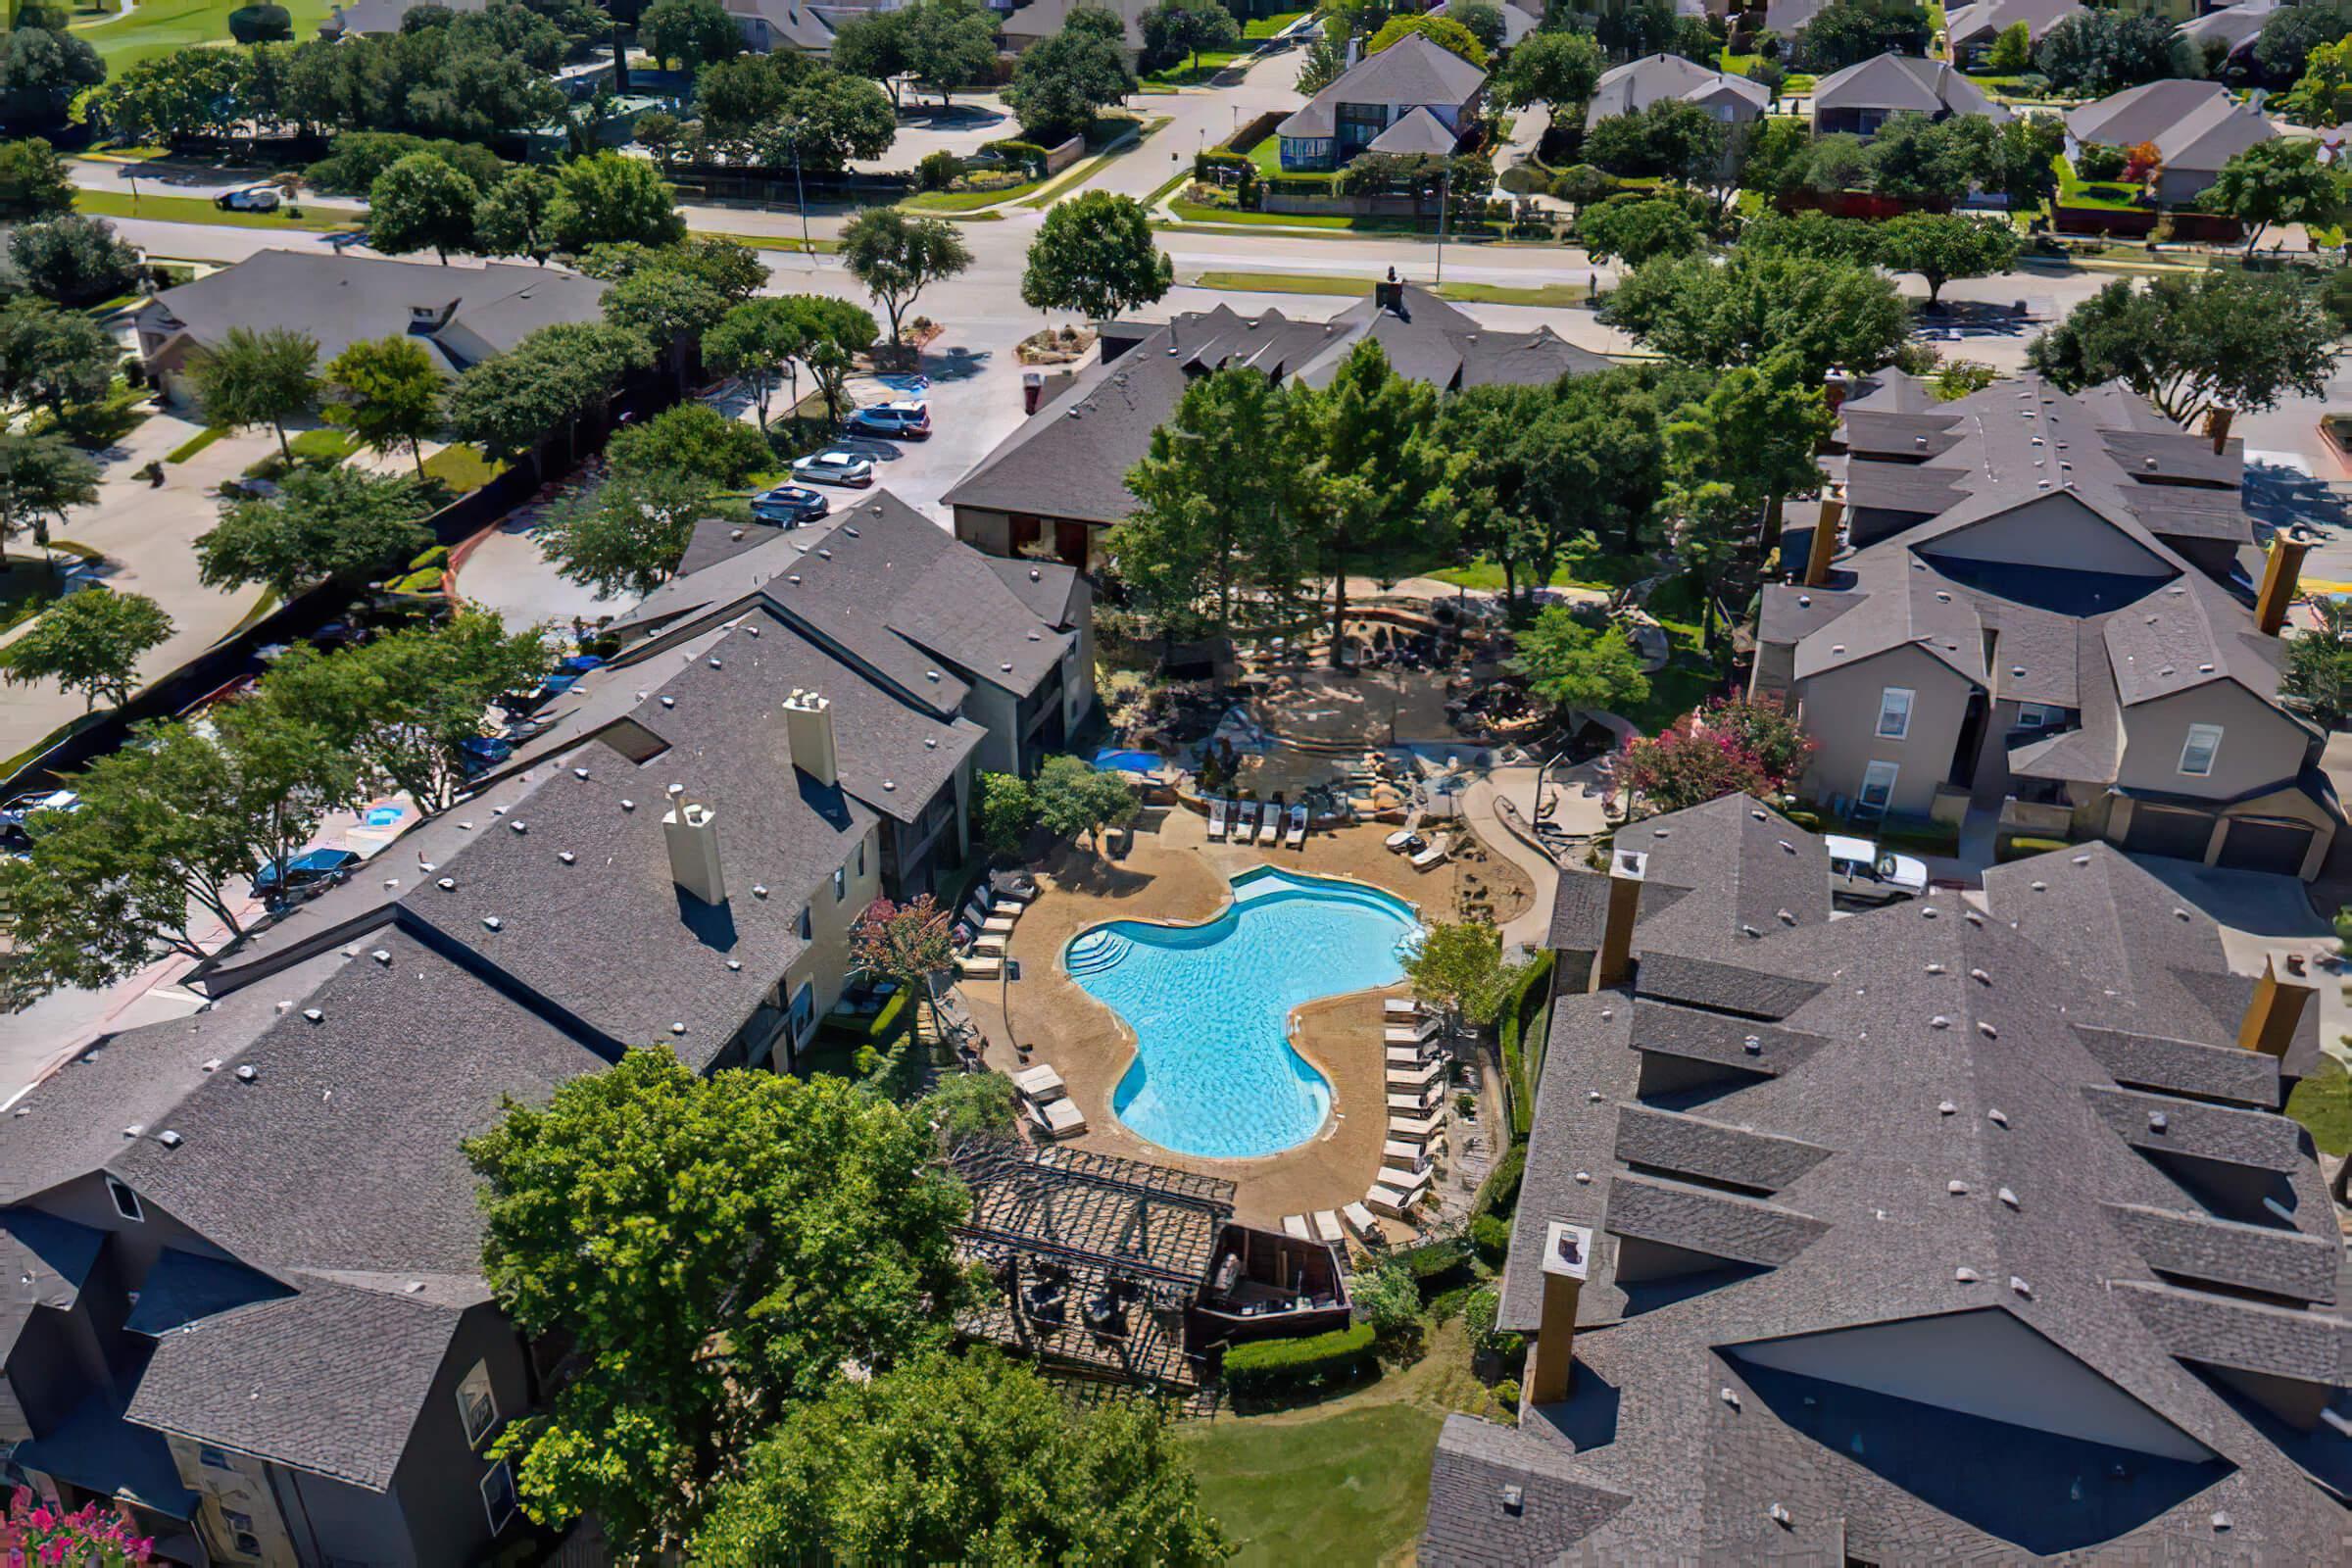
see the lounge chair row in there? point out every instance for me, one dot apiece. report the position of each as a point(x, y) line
point(1046, 1099)
point(985, 924)
point(1326, 1227)
point(1244, 821)
point(1395, 1191)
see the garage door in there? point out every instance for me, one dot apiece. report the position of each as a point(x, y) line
point(2265, 843)
point(2168, 830)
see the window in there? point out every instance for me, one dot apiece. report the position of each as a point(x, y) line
point(213, 1458)
point(806, 932)
point(497, 1496)
point(2197, 751)
point(2040, 715)
point(840, 883)
point(248, 1544)
point(1877, 788)
point(239, 1522)
point(1895, 713)
point(478, 1404)
point(126, 1202)
point(861, 858)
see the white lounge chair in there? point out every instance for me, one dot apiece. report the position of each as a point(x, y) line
point(1412, 1183)
point(1436, 852)
point(1387, 1201)
point(1403, 1153)
point(1296, 837)
point(1420, 1077)
point(1397, 841)
point(1395, 1007)
point(1270, 824)
point(1414, 1104)
point(1058, 1118)
point(1295, 1225)
point(1406, 1034)
point(1359, 1219)
point(1415, 1127)
point(980, 966)
point(1018, 886)
point(1040, 1083)
point(1216, 819)
point(1327, 1226)
point(998, 926)
point(990, 943)
point(1405, 1055)
point(1245, 820)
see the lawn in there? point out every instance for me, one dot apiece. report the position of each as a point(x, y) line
point(2322, 1103)
point(1349, 1487)
point(1267, 155)
point(1267, 26)
point(2111, 195)
point(462, 468)
point(966, 201)
point(159, 26)
point(198, 210)
point(1552, 294)
point(1212, 61)
point(1205, 213)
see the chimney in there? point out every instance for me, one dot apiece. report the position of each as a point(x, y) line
point(809, 726)
point(1824, 537)
point(691, 830)
point(2216, 426)
point(1551, 1364)
point(1627, 868)
point(2275, 1013)
point(1355, 51)
point(2280, 579)
point(1389, 296)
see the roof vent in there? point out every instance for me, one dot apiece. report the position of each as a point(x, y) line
point(714, 660)
point(1006, 668)
point(930, 742)
point(793, 577)
point(2204, 670)
point(1980, 977)
point(1956, 1189)
point(1927, 911)
point(1584, 1178)
point(314, 1014)
point(752, 630)
point(579, 772)
point(1997, 1116)
point(169, 1139)
point(1730, 1396)
point(1780, 1515)
point(2221, 1520)
point(2180, 914)
point(520, 827)
point(627, 805)
point(1749, 931)
point(212, 1065)
point(1944, 1107)
point(1753, 1045)
point(1033, 574)
point(669, 701)
point(2042, 887)
point(2008, 1199)
point(734, 533)
point(1805, 600)
point(852, 531)
point(823, 553)
point(1786, 916)
point(890, 783)
point(134, 1129)
point(1940, 1021)
point(1965, 1275)
point(2148, 462)
point(491, 922)
point(1514, 1500)
point(567, 856)
point(1033, 636)
point(677, 1028)
point(1987, 1030)
point(382, 955)
point(2158, 1121)
point(734, 963)
point(245, 1073)
point(2018, 1284)
point(930, 674)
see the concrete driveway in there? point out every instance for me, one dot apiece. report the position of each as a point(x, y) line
point(925, 128)
point(2266, 916)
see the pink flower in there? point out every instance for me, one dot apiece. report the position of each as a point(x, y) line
point(54, 1551)
point(42, 1518)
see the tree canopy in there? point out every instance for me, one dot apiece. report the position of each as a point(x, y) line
point(897, 256)
point(2189, 344)
point(1940, 247)
point(41, 477)
point(1179, 29)
point(264, 376)
point(1074, 799)
point(1579, 668)
point(388, 392)
point(1060, 82)
point(338, 522)
point(1094, 255)
point(1555, 68)
point(88, 643)
point(2278, 181)
point(421, 204)
point(73, 260)
point(1753, 306)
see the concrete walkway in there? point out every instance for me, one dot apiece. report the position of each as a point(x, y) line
point(1480, 809)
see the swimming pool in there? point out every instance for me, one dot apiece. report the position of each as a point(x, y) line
point(1214, 1073)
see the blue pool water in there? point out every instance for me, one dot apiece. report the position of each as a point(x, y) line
point(1110, 759)
point(1214, 1073)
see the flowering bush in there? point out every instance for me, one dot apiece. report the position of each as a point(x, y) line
point(34, 1532)
point(1728, 746)
point(2140, 160)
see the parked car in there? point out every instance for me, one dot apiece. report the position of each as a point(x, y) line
point(256, 199)
point(483, 752)
point(304, 876)
point(15, 837)
point(789, 504)
point(1860, 874)
point(903, 420)
point(833, 468)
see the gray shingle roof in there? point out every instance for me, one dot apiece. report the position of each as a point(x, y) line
point(1412, 72)
point(1990, 19)
point(1900, 83)
point(2251, 1257)
point(1415, 132)
point(1743, 1230)
point(2194, 125)
point(1656, 79)
point(1687, 1144)
point(1469, 1522)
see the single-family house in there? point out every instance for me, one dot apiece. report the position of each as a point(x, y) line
point(1972, 30)
point(796, 26)
point(1860, 99)
point(1041, 19)
point(2195, 127)
point(1964, 1229)
point(2232, 29)
point(1362, 110)
point(1518, 19)
point(462, 313)
point(1634, 86)
point(2034, 616)
point(1053, 488)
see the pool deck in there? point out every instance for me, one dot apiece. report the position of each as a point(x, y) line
point(1173, 872)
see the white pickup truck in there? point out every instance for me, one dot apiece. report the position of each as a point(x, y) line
point(1860, 874)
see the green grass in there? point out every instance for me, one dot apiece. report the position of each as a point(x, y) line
point(159, 26)
point(1080, 172)
point(197, 210)
point(1267, 26)
point(2108, 195)
point(1211, 62)
point(964, 201)
point(1267, 155)
point(327, 446)
point(1204, 212)
point(462, 468)
point(2322, 1103)
point(26, 588)
point(777, 242)
point(1348, 1487)
point(1550, 294)
point(195, 443)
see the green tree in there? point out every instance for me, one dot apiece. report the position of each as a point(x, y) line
point(513, 403)
point(670, 310)
point(1757, 430)
point(1815, 234)
point(691, 441)
point(962, 1458)
point(1577, 667)
point(388, 392)
point(691, 32)
point(1094, 255)
point(1846, 33)
point(966, 1103)
point(833, 332)
point(2214, 340)
point(813, 1234)
point(89, 643)
point(517, 217)
point(1753, 306)
point(1558, 69)
point(1485, 23)
point(612, 197)
point(403, 706)
point(324, 523)
point(2289, 35)
point(1913, 158)
point(1459, 971)
point(1940, 247)
point(1179, 29)
point(1390, 1298)
point(825, 121)
point(41, 70)
point(1371, 429)
point(1060, 82)
point(2012, 52)
point(421, 204)
point(33, 183)
point(53, 359)
point(1444, 32)
point(1007, 811)
point(897, 256)
point(2100, 52)
point(1075, 798)
point(757, 341)
point(1639, 230)
point(41, 477)
point(625, 538)
point(2278, 181)
point(949, 43)
point(726, 266)
point(1670, 138)
point(874, 44)
point(1714, 534)
point(257, 377)
point(909, 943)
point(1776, 156)
point(2318, 678)
point(73, 260)
point(169, 833)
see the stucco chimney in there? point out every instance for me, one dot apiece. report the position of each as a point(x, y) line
point(1551, 1364)
point(2216, 426)
point(691, 830)
point(1615, 965)
point(809, 726)
point(1824, 537)
point(2274, 1013)
point(2280, 580)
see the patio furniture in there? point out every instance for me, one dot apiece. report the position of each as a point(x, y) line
point(1245, 820)
point(1295, 1225)
point(1040, 1083)
point(1413, 1184)
point(1296, 837)
point(1388, 1200)
point(1420, 1128)
point(1018, 886)
point(1420, 1077)
point(989, 943)
point(1269, 826)
point(1435, 853)
point(980, 966)
point(998, 926)
point(1395, 1007)
point(1419, 1105)
point(1216, 819)
point(1403, 1153)
point(1058, 1118)
point(1327, 1226)
point(1405, 1055)
point(1406, 1034)
point(1359, 1219)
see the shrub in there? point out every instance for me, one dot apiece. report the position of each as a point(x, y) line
point(356, 157)
point(2096, 162)
point(1529, 992)
point(1478, 1318)
point(263, 24)
point(2019, 848)
point(1390, 1295)
point(1266, 1365)
point(1581, 184)
point(938, 171)
point(1491, 1237)
point(1524, 179)
point(435, 556)
point(1026, 154)
point(1506, 1394)
point(1498, 1194)
point(1436, 1266)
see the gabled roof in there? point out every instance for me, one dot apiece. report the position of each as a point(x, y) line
point(1990, 19)
point(2193, 124)
point(1635, 86)
point(1042, 19)
point(1415, 131)
point(1410, 72)
point(2233, 26)
point(1904, 83)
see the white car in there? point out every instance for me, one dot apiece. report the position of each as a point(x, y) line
point(833, 468)
point(1860, 874)
point(253, 199)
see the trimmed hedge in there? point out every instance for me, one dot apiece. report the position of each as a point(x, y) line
point(1533, 986)
point(1498, 1194)
point(1491, 1235)
point(1266, 1365)
point(1437, 1266)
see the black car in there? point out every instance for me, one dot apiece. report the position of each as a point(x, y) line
point(789, 504)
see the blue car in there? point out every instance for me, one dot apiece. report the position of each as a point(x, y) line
point(311, 873)
point(484, 751)
point(789, 506)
